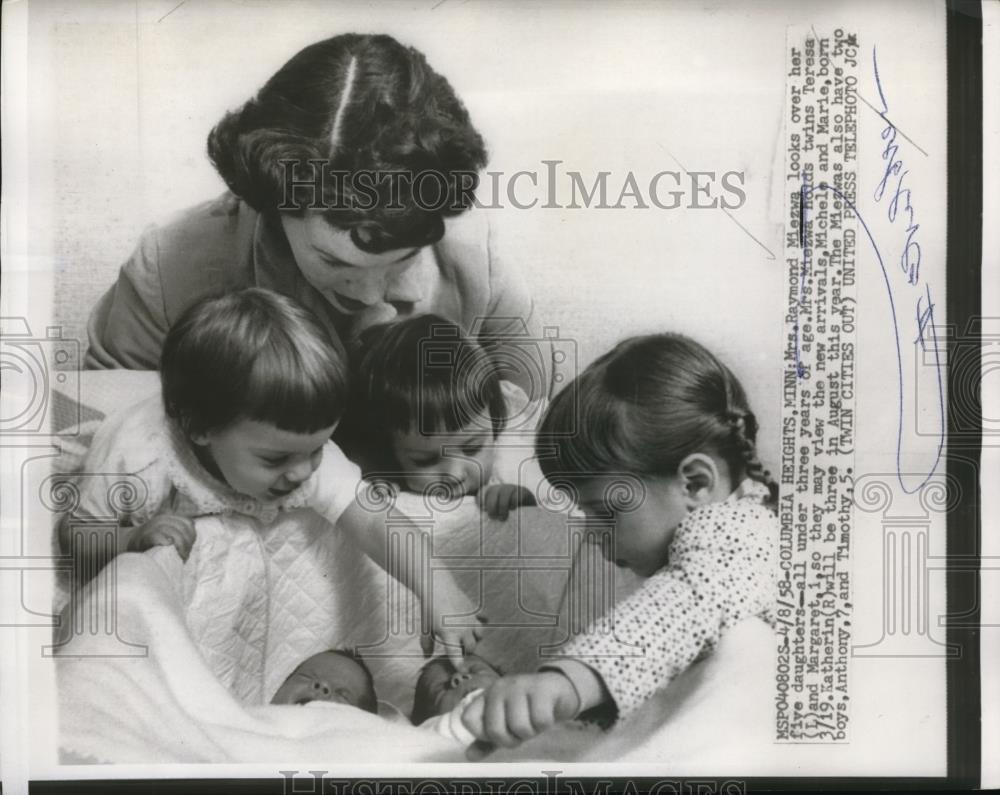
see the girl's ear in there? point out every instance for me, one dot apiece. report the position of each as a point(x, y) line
point(699, 477)
point(199, 438)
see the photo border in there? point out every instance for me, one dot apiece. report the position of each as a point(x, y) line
point(964, 59)
point(963, 273)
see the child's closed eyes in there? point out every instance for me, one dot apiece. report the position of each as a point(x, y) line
point(460, 461)
point(276, 462)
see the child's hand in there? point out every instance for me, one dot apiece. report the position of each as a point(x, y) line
point(164, 530)
point(450, 602)
point(516, 708)
point(500, 499)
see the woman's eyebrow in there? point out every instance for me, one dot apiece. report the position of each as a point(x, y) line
point(338, 261)
point(330, 258)
point(407, 256)
point(410, 450)
point(421, 455)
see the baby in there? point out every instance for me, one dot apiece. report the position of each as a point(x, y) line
point(443, 692)
point(440, 687)
point(339, 676)
point(427, 406)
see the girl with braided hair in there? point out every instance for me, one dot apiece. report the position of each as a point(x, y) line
point(656, 440)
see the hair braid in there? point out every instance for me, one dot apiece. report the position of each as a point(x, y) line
point(743, 432)
point(647, 404)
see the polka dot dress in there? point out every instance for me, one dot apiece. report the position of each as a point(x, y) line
point(721, 570)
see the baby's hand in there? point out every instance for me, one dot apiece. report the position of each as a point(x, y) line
point(500, 499)
point(516, 708)
point(164, 530)
point(450, 602)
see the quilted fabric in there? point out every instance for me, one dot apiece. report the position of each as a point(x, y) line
point(260, 599)
point(224, 588)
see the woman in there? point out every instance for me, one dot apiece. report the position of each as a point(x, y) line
point(341, 173)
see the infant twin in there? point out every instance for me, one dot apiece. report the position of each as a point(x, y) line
point(254, 387)
point(340, 676)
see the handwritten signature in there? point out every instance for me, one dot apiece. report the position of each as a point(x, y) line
point(899, 207)
point(910, 258)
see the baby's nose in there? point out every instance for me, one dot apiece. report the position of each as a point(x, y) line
point(321, 688)
point(459, 678)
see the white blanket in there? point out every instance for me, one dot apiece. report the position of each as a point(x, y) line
point(223, 630)
point(169, 706)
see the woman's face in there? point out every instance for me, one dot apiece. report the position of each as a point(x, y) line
point(371, 288)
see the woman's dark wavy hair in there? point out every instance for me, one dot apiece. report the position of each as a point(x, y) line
point(356, 103)
point(419, 373)
point(252, 354)
point(642, 408)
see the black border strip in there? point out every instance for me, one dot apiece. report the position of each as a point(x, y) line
point(561, 785)
point(964, 312)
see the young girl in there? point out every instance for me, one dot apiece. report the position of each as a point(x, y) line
point(427, 407)
point(252, 389)
point(664, 410)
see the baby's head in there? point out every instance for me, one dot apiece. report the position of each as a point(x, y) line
point(257, 386)
point(421, 386)
point(668, 429)
point(336, 675)
point(440, 686)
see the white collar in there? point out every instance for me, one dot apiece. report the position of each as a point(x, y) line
point(749, 488)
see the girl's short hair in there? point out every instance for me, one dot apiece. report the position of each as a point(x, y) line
point(420, 373)
point(355, 104)
point(642, 408)
point(252, 354)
